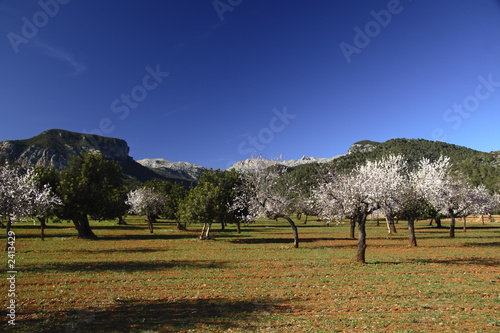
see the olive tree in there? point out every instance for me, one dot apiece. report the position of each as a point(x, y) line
point(210, 201)
point(91, 186)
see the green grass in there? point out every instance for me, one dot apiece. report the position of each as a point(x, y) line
point(133, 281)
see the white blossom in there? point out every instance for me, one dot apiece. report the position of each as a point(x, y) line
point(21, 196)
point(145, 201)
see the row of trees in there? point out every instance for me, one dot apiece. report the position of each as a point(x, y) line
point(207, 203)
point(92, 187)
point(390, 186)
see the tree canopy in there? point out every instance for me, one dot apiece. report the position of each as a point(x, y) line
point(91, 186)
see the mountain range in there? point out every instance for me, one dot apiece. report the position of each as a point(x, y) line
point(54, 148)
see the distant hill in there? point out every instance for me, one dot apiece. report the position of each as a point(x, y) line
point(480, 167)
point(54, 148)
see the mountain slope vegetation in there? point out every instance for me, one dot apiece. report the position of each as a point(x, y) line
point(480, 167)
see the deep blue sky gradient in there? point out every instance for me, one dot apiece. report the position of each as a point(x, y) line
point(226, 77)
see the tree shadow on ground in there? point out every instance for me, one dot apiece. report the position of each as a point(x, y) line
point(164, 316)
point(489, 262)
point(486, 244)
point(458, 226)
point(125, 266)
point(87, 252)
point(148, 236)
point(459, 261)
point(274, 240)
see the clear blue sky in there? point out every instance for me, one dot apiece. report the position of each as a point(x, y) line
point(278, 77)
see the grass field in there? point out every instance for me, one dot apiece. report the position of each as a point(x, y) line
point(132, 281)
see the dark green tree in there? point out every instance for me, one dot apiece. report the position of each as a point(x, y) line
point(210, 200)
point(91, 186)
point(174, 194)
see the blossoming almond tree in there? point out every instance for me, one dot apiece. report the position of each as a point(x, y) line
point(21, 196)
point(390, 174)
point(353, 195)
point(266, 192)
point(147, 201)
point(449, 193)
point(483, 203)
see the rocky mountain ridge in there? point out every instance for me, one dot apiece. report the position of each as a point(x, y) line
point(54, 148)
point(178, 170)
point(253, 164)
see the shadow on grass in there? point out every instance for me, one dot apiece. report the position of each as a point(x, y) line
point(486, 244)
point(270, 240)
point(459, 261)
point(458, 226)
point(125, 266)
point(148, 236)
point(164, 316)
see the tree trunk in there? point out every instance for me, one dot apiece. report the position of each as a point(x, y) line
point(390, 224)
point(121, 221)
point(150, 225)
point(42, 227)
point(360, 255)
point(397, 219)
point(452, 227)
point(305, 221)
point(203, 231)
point(490, 217)
point(9, 223)
point(295, 231)
point(353, 227)
point(238, 227)
point(482, 219)
point(378, 221)
point(438, 222)
point(432, 219)
point(465, 224)
point(411, 231)
point(180, 227)
point(207, 231)
point(82, 225)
